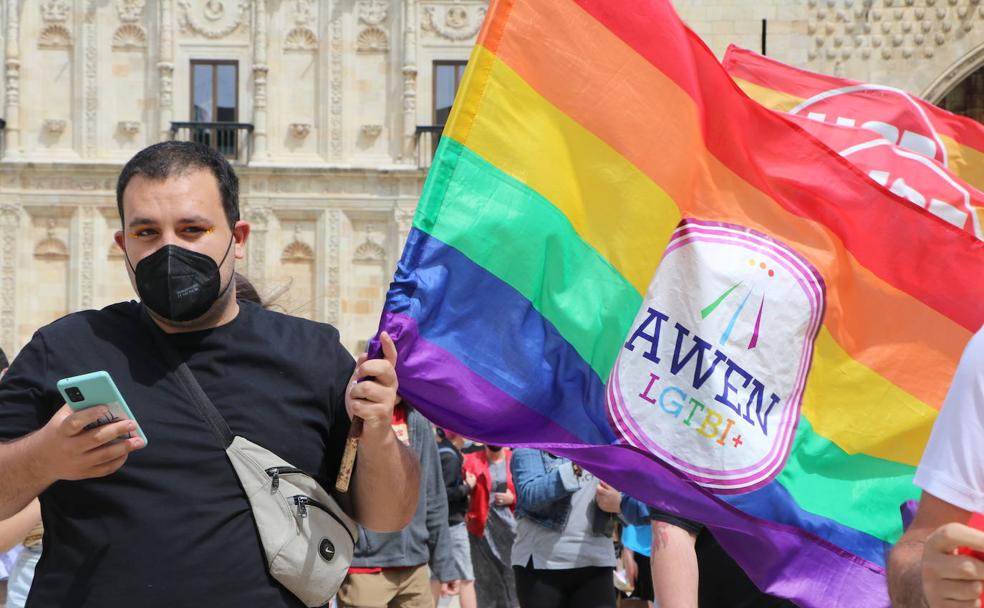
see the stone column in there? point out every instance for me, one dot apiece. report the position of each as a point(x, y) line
point(90, 79)
point(12, 141)
point(165, 68)
point(256, 258)
point(87, 227)
point(333, 287)
point(409, 81)
point(260, 69)
point(10, 216)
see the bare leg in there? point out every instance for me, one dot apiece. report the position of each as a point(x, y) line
point(674, 564)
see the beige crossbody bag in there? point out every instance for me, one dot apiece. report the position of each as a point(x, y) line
point(307, 538)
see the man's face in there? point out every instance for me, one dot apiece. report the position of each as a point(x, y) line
point(183, 210)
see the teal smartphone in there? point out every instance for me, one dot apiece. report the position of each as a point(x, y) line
point(98, 388)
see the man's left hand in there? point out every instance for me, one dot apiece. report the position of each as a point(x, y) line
point(372, 390)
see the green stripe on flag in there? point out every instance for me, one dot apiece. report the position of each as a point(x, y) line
point(524, 240)
point(856, 490)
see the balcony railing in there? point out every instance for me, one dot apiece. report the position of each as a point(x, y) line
point(233, 139)
point(427, 136)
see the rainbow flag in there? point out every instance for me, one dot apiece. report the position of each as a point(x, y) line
point(954, 141)
point(621, 258)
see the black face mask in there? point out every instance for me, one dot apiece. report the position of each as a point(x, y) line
point(494, 448)
point(179, 284)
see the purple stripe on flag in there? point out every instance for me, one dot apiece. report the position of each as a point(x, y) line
point(431, 378)
point(781, 560)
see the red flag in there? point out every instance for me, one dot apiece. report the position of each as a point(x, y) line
point(956, 142)
point(920, 180)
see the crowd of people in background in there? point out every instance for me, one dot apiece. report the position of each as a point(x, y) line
point(499, 528)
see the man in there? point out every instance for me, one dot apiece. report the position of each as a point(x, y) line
point(924, 568)
point(391, 569)
point(169, 525)
point(458, 490)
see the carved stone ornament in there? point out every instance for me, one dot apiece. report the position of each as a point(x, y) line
point(373, 12)
point(372, 40)
point(214, 9)
point(55, 10)
point(51, 247)
point(128, 127)
point(166, 70)
point(130, 10)
point(372, 131)
point(300, 130)
point(55, 126)
point(893, 27)
point(457, 18)
point(216, 12)
point(301, 39)
point(369, 252)
point(455, 25)
point(302, 12)
point(129, 36)
point(55, 37)
point(297, 250)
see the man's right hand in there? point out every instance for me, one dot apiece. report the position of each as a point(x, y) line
point(950, 579)
point(68, 451)
point(470, 479)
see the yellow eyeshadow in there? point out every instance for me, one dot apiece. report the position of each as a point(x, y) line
point(136, 233)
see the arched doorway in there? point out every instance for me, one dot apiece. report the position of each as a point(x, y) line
point(967, 98)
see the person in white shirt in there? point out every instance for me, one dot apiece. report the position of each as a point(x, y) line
point(924, 568)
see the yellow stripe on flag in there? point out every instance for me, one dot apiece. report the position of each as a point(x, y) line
point(839, 394)
point(770, 98)
point(966, 162)
point(593, 185)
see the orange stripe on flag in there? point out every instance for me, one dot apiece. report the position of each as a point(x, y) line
point(554, 66)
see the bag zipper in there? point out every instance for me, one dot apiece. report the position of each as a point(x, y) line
point(303, 502)
point(276, 472)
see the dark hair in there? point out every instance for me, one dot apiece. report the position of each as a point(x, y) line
point(246, 291)
point(3, 360)
point(168, 158)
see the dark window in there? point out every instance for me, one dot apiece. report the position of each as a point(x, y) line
point(967, 98)
point(215, 98)
point(447, 77)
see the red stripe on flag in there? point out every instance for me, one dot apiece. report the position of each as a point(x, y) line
point(882, 231)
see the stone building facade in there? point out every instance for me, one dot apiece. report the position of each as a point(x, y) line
point(330, 106)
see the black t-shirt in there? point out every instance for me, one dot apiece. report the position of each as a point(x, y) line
point(173, 527)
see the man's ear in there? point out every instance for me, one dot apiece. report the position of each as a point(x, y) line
point(240, 233)
point(119, 238)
